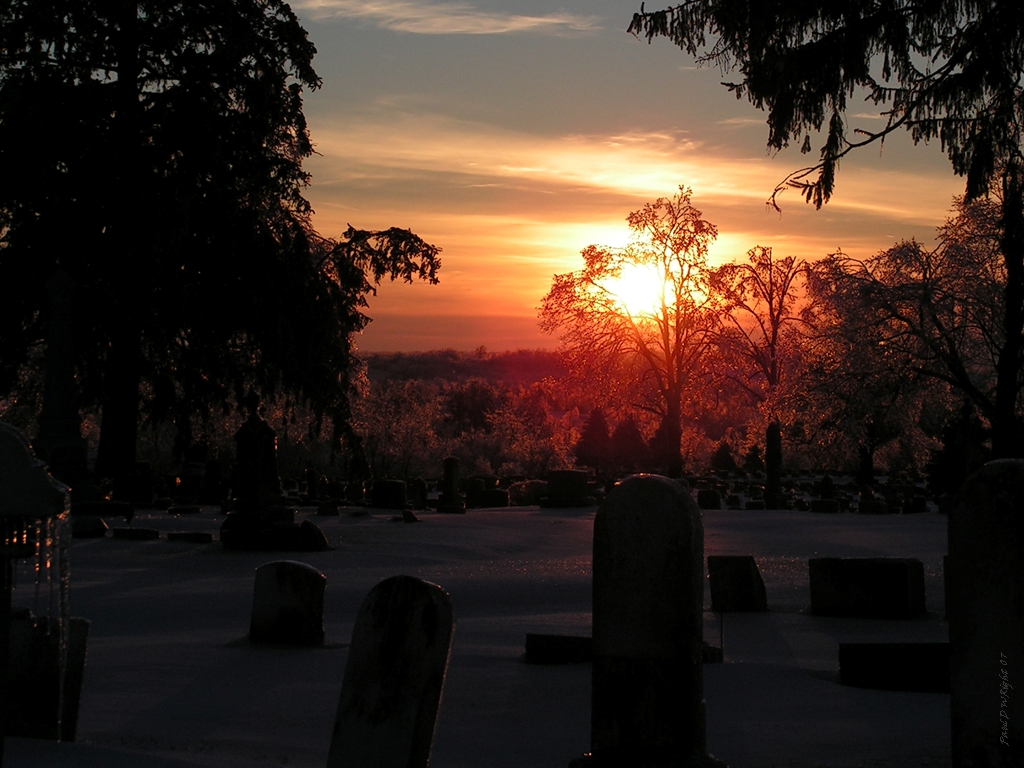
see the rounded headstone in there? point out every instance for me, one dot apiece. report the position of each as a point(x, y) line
point(288, 604)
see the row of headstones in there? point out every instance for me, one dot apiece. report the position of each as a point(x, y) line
point(868, 504)
point(647, 674)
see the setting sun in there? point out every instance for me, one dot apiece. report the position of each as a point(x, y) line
point(639, 289)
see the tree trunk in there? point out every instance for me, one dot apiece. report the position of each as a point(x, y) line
point(773, 466)
point(1005, 426)
point(120, 415)
point(666, 442)
point(865, 465)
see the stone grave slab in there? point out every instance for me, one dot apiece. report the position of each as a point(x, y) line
point(869, 587)
point(895, 666)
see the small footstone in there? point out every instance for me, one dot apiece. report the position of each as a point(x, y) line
point(867, 588)
point(895, 666)
point(288, 604)
point(395, 672)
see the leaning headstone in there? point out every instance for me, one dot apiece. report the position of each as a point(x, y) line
point(394, 676)
point(736, 584)
point(288, 604)
point(867, 587)
point(647, 703)
point(985, 599)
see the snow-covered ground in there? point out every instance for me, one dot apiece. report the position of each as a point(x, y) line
point(171, 680)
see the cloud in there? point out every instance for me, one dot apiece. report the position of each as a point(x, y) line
point(425, 18)
point(624, 169)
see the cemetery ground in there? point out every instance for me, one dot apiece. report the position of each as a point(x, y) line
point(172, 680)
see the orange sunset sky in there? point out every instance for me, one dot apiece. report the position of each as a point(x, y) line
point(514, 134)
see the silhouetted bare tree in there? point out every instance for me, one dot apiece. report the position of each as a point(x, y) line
point(661, 347)
point(948, 69)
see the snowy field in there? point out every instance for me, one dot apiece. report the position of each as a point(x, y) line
point(171, 680)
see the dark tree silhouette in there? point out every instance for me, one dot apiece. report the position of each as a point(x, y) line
point(153, 152)
point(938, 313)
point(629, 449)
point(663, 348)
point(947, 69)
point(594, 448)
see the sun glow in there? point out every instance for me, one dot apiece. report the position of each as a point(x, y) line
point(639, 289)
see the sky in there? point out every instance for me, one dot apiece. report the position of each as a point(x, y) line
point(514, 134)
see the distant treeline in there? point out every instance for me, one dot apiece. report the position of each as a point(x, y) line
point(519, 368)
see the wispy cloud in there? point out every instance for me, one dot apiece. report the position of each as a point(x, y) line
point(426, 18)
point(634, 166)
point(742, 122)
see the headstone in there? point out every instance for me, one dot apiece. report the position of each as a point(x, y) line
point(418, 491)
point(88, 528)
point(389, 494)
point(567, 488)
point(451, 500)
point(736, 584)
point(985, 599)
point(327, 508)
point(527, 493)
point(708, 498)
point(825, 506)
point(648, 593)
point(867, 587)
point(495, 498)
point(257, 485)
point(475, 488)
point(895, 666)
point(394, 676)
point(288, 604)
